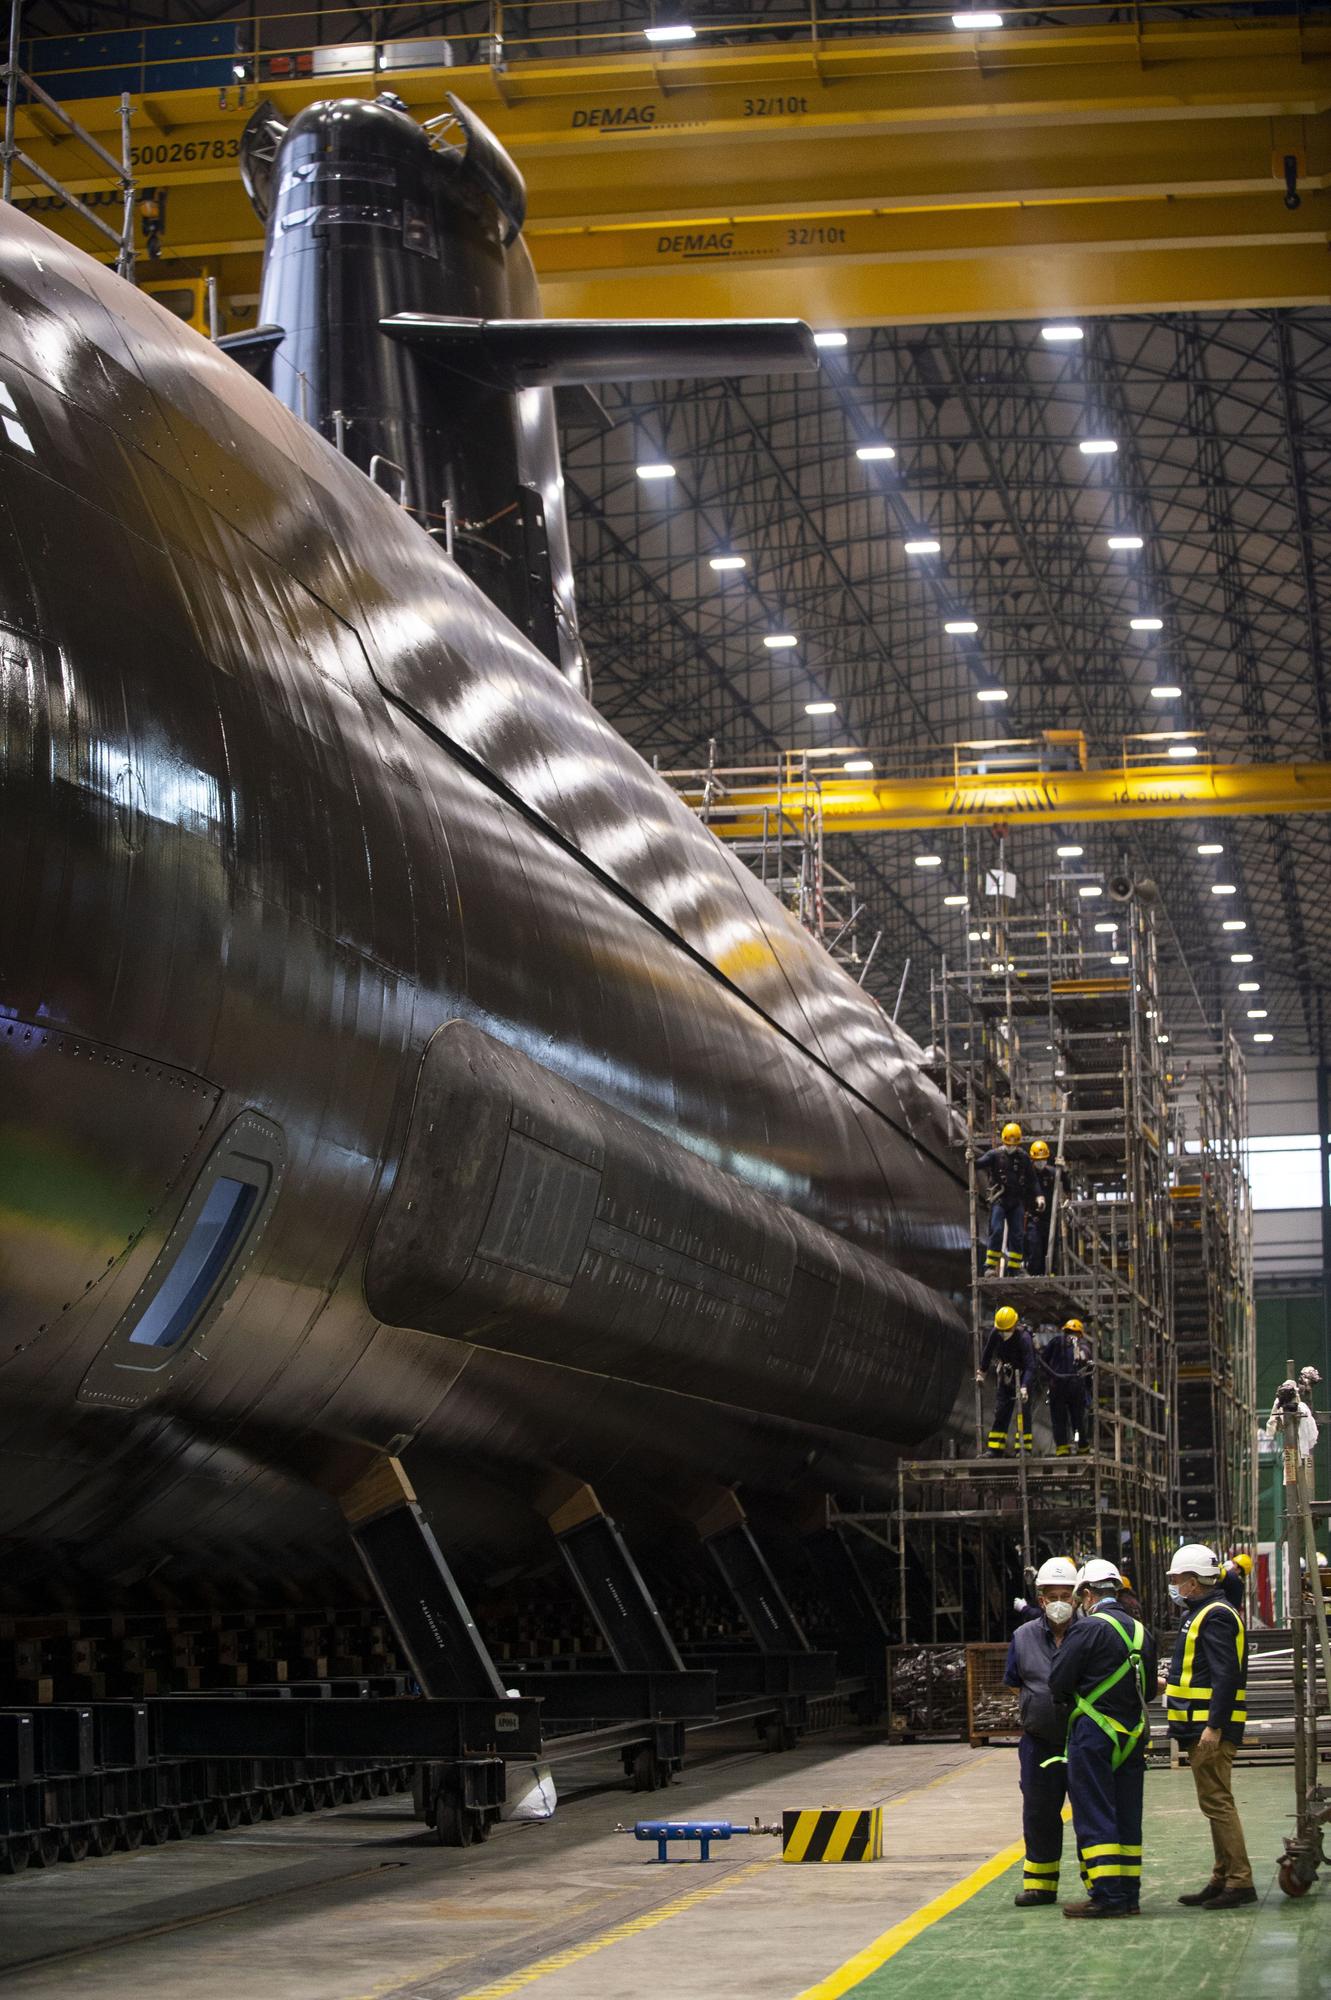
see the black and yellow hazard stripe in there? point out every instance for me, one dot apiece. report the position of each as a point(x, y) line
point(829, 1835)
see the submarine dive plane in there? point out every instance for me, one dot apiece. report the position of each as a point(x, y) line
point(389, 1059)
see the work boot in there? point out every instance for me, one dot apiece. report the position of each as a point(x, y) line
point(1231, 1899)
point(1206, 1895)
point(1030, 1899)
point(1089, 1909)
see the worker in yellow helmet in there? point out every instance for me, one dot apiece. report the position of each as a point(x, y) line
point(1233, 1579)
point(1040, 1214)
point(1010, 1351)
point(1012, 1194)
point(1062, 1363)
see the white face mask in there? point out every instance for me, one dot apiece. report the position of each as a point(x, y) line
point(1057, 1612)
point(1176, 1594)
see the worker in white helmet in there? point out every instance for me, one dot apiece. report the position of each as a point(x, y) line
point(1105, 1669)
point(1206, 1702)
point(1044, 1728)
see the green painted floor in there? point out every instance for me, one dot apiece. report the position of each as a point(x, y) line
point(1275, 1947)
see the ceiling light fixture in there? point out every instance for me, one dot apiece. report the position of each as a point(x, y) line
point(1106, 929)
point(1125, 542)
point(1090, 889)
point(961, 628)
point(981, 18)
point(1250, 985)
point(829, 339)
point(727, 562)
point(1118, 958)
point(1146, 624)
point(871, 452)
point(820, 708)
point(924, 548)
point(955, 902)
point(1263, 1038)
point(1240, 957)
point(1234, 924)
point(928, 860)
point(1224, 888)
point(1257, 1013)
point(1183, 750)
point(1062, 330)
point(1211, 847)
point(991, 694)
point(779, 642)
point(671, 31)
point(1069, 853)
point(1097, 447)
point(1165, 693)
point(858, 766)
point(659, 471)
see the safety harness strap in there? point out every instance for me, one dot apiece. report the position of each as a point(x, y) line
point(1123, 1739)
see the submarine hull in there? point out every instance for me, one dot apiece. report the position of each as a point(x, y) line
point(284, 797)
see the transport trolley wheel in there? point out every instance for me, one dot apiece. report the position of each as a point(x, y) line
point(455, 1826)
point(1292, 1881)
point(74, 1843)
point(45, 1849)
point(102, 1836)
point(129, 1833)
point(648, 1772)
point(15, 1853)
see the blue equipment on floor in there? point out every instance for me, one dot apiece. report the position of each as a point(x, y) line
point(704, 1831)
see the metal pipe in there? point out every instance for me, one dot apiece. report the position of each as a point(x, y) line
point(89, 215)
point(11, 96)
point(901, 990)
point(125, 261)
point(58, 110)
point(214, 317)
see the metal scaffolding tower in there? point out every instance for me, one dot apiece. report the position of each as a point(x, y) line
point(1053, 1017)
point(1212, 1279)
point(20, 88)
point(786, 851)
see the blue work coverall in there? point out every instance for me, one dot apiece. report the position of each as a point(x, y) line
point(1107, 1802)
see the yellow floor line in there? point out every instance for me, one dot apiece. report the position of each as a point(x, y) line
point(891, 1942)
point(559, 1960)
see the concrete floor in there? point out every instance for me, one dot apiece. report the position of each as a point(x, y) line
point(361, 1904)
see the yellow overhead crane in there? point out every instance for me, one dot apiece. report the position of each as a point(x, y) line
point(1130, 166)
point(1053, 777)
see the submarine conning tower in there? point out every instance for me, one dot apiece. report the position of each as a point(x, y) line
point(371, 216)
point(399, 314)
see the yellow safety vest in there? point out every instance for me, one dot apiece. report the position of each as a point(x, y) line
point(1185, 1702)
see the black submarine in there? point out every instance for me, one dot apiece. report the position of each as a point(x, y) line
point(388, 1060)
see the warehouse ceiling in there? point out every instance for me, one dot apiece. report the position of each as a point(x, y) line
point(1223, 433)
point(1223, 468)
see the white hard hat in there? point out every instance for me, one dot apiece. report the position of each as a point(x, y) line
point(1097, 1571)
point(1195, 1559)
point(1057, 1570)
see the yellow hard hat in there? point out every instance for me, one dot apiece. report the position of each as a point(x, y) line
point(1005, 1318)
point(1039, 1149)
point(1073, 1326)
point(1243, 1561)
point(1011, 1134)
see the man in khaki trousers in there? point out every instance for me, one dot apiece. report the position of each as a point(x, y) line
point(1206, 1701)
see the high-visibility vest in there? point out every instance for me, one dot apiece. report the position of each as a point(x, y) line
point(1185, 1702)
